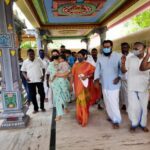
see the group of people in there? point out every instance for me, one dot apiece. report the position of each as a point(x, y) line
point(117, 78)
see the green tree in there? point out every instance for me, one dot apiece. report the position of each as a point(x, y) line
point(143, 19)
point(28, 44)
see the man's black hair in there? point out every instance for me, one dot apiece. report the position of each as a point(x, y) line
point(108, 41)
point(140, 43)
point(30, 50)
point(94, 49)
point(63, 57)
point(54, 50)
point(125, 43)
point(68, 52)
point(62, 46)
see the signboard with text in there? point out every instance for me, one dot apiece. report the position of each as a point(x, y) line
point(5, 41)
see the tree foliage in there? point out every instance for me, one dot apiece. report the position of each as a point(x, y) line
point(143, 19)
point(28, 44)
point(137, 23)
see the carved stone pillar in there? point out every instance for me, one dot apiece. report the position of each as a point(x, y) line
point(14, 113)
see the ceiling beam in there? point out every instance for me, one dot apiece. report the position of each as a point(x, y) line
point(71, 26)
point(27, 11)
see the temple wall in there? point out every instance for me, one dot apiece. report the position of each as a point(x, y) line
point(140, 36)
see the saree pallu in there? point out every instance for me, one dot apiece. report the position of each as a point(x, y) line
point(82, 107)
point(95, 92)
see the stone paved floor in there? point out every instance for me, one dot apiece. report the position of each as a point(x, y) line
point(35, 137)
point(98, 135)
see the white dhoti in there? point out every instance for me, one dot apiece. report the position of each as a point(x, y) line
point(46, 89)
point(111, 100)
point(137, 108)
point(124, 93)
point(48, 94)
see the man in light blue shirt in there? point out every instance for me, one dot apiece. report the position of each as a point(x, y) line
point(108, 71)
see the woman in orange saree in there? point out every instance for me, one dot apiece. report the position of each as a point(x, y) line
point(81, 91)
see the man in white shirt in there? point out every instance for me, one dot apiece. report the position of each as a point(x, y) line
point(137, 82)
point(34, 72)
point(45, 62)
point(123, 89)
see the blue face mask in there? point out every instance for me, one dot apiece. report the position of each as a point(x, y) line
point(106, 50)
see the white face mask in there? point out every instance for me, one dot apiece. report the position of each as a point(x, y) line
point(137, 52)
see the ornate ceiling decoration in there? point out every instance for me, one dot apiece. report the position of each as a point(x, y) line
point(77, 8)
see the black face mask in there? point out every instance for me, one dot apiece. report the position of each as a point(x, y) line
point(107, 54)
point(55, 57)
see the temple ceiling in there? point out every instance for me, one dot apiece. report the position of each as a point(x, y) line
point(74, 18)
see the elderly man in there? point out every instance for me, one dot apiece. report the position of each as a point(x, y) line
point(138, 82)
point(108, 71)
point(34, 72)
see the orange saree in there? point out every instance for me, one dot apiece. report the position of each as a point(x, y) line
point(82, 93)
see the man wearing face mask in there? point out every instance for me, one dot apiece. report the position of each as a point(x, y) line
point(108, 71)
point(123, 90)
point(137, 82)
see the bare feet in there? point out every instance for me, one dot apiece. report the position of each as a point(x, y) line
point(115, 125)
point(145, 129)
point(58, 118)
point(66, 110)
point(132, 129)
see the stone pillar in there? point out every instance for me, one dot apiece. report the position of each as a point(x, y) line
point(102, 33)
point(87, 41)
point(14, 113)
point(38, 41)
point(45, 44)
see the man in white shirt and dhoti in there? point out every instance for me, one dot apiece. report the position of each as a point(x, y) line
point(138, 84)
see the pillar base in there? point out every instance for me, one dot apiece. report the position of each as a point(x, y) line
point(15, 124)
point(15, 119)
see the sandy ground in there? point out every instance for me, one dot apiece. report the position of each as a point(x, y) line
point(99, 134)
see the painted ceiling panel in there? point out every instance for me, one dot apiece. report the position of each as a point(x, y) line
point(74, 18)
point(75, 11)
point(70, 32)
